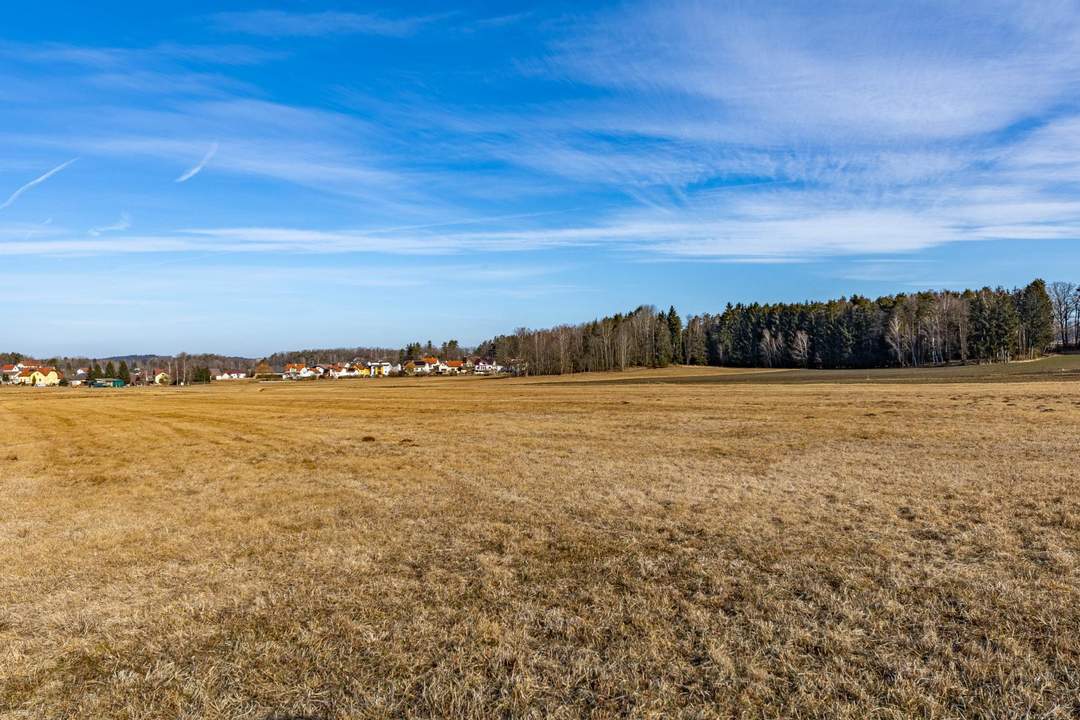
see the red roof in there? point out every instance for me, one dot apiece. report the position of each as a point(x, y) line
point(7, 368)
point(455, 363)
point(431, 360)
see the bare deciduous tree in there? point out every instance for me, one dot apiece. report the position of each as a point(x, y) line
point(1063, 299)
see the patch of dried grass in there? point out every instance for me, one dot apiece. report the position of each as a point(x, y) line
point(538, 549)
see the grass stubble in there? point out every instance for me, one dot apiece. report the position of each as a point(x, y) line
point(519, 548)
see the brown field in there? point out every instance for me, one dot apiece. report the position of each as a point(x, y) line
point(521, 548)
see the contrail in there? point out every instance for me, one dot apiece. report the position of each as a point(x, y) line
point(36, 181)
point(198, 168)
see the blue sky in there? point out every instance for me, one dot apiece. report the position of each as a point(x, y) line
point(241, 179)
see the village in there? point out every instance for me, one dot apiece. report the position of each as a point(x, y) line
point(33, 374)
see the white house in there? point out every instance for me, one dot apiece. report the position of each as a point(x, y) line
point(9, 373)
point(379, 369)
point(487, 367)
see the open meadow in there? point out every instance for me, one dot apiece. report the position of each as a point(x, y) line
point(682, 543)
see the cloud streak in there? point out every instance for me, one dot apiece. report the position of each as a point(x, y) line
point(198, 168)
point(124, 223)
point(36, 181)
point(279, 23)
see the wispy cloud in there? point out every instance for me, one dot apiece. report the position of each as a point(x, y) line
point(687, 130)
point(36, 181)
point(279, 23)
point(794, 72)
point(124, 223)
point(198, 167)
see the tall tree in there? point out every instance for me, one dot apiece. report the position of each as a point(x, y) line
point(1063, 301)
point(663, 351)
point(451, 350)
point(675, 335)
point(1036, 315)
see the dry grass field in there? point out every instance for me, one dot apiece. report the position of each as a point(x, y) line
point(534, 548)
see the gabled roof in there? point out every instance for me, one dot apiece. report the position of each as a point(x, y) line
point(455, 363)
point(28, 372)
point(431, 360)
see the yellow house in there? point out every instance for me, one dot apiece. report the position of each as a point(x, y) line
point(162, 378)
point(40, 377)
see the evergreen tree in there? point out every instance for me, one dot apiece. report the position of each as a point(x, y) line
point(451, 350)
point(1036, 318)
point(123, 372)
point(675, 333)
point(110, 370)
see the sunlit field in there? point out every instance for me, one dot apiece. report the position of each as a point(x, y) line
point(678, 543)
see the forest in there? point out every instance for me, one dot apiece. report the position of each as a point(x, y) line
point(925, 328)
point(903, 330)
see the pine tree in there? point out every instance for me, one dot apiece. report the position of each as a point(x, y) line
point(124, 373)
point(675, 333)
point(110, 370)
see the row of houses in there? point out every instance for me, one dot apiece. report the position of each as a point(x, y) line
point(29, 373)
point(423, 366)
point(435, 366)
point(356, 368)
point(219, 374)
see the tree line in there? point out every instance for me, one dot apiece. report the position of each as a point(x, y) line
point(906, 330)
